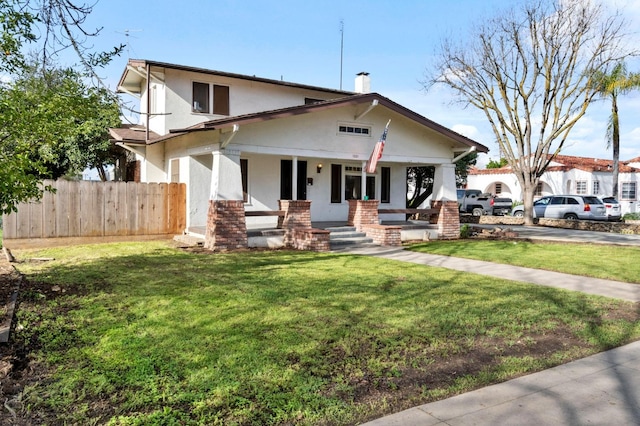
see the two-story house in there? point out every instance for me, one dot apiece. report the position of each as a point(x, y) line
point(250, 141)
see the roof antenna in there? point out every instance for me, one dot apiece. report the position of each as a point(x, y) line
point(341, 48)
point(127, 35)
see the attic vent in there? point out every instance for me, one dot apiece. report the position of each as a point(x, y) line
point(354, 130)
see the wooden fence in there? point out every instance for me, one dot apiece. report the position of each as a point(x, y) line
point(100, 209)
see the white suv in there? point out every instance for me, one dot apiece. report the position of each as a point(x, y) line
point(569, 207)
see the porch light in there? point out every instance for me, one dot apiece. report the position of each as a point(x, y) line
point(319, 167)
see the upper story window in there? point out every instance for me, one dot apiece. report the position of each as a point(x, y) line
point(201, 102)
point(200, 98)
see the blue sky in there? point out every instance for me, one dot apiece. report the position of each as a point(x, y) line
point(299, 41)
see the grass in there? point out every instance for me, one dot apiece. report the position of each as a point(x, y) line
point(591, 260)
point(147, 334)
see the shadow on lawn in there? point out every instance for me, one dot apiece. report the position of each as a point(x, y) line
point(280, 331)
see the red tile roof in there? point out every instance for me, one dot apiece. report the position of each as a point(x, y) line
point(569, 162)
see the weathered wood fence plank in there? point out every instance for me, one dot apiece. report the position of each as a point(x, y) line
point(94, 209)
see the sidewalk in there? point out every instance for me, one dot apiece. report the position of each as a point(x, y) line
point(603, 389)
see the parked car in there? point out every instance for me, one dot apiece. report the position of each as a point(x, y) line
point(614, 213)
point(478, 203)
point(571, 207)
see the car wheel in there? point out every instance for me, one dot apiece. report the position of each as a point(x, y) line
point(477, 211)
point(519, 213)
point(571, 216)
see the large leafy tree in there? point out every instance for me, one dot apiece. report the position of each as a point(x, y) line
point(528, 71)
point(611, 85)
point(52, 123)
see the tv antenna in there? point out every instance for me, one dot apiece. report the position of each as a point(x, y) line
point(127, 34)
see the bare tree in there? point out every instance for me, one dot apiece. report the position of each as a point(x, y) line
point(529, 70)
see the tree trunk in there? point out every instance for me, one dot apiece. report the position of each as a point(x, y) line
point(615, 136)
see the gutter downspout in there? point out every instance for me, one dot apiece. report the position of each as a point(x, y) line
point(146, 138)
point(464, 154)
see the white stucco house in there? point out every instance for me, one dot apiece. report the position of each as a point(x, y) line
point(257, 141)
point(568, 175)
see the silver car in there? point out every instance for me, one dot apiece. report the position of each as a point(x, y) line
point(570, 207)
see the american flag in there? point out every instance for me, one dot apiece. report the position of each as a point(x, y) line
point(377, 151)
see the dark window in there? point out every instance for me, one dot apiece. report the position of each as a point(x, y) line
point(557, 200)
point(352, 187)
point(371, 187)
point(220, 100)
point(570, 200)
point(302, 180)
point(200, 98)
point(286, 179)
point(336, 183)
point(385, 184)
point(244, 166)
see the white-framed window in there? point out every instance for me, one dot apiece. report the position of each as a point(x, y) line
point(351, 129)
point(581, 187)
point(628, 191)
point(596, 187)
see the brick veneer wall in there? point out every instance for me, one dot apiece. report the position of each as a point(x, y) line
point(226, 226)
point(363, 212)
point(384, 235)
point(310, 239)
point(448, 219)
point(297, 214)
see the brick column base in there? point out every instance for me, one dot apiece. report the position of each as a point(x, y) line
point(226, 225)
point(297, 214)
point(363, 212)
point(448, 219)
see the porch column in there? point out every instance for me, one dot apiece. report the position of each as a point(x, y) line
point(444, 182)
point(297, 215)
point(294, 178)
point(446, 199)
point(363, 181)
point(363, 213)
point(226, 225)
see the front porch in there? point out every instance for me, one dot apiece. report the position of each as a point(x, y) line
point(295, 229)
point(341, 233)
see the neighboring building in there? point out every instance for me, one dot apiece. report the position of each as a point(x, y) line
point(568, 175)
point(233, 137)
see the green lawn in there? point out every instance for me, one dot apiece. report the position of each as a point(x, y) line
point(593, 260)
point(143, 333)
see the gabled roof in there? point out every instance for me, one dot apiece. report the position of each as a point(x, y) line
point(564, 163)
point(131, 80)
point(367, 98)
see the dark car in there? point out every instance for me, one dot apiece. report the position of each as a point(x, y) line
point(569, 207)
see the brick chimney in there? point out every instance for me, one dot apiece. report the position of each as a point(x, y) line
point(363, 82)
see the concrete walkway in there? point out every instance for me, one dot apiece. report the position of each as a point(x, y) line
point(603, 389)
